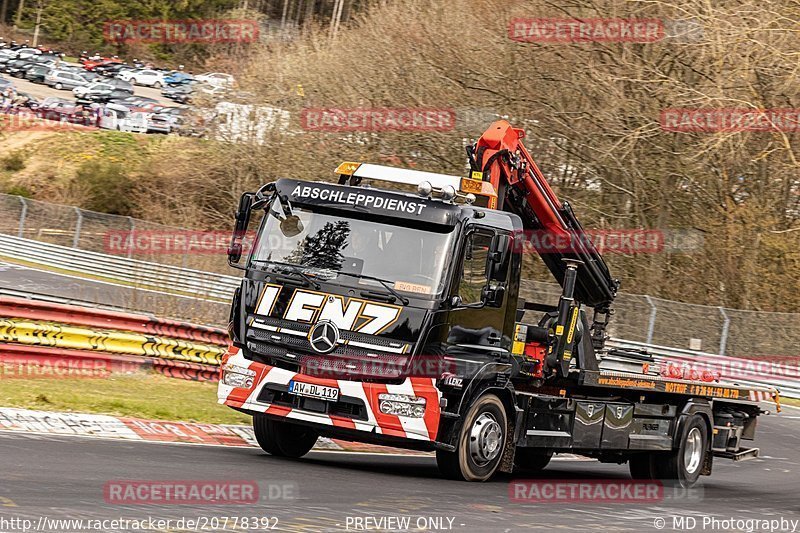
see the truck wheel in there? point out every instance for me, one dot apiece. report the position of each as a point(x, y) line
point(481, 442)
point(283, 439)
point(642, 466)
point(685, 464)
point(531, 460)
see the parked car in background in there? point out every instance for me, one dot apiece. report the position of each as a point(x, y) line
point(7, 55)
point(112, 69)
point(175, 92)
point(175, 117)
point(65, 79)
point(122, 87)
point(147, 77)
point(37, 73)
point(216, 79)
point(66, 111)
point(119, 85)
point(158, 123)
point(46, 59)
point(121, 118)
point(25, 53)
point(98, 92)
point(14, 66)
point(92, 64)
point(178, 78)
point(135, 101)
point(21, 70)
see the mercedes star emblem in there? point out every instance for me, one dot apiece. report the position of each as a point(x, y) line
point(323, 337)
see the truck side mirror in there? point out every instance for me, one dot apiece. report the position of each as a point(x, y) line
point(498, 257)
point(240, 228)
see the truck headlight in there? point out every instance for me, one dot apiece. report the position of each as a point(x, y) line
point(238, 376)
point(402, 405)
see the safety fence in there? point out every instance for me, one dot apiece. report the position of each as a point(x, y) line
point(198, 286)
point(42, 338)
point(90, 231)
point(700, 328)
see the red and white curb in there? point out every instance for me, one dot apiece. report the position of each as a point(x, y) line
point(137, 429)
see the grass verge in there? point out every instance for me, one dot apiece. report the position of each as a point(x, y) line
point(145, 395)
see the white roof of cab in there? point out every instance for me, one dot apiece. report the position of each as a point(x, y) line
point(409, 177)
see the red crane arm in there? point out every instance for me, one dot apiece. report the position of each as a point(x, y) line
point(503, 160)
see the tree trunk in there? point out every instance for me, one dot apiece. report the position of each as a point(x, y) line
point(20, 8)
point(3, 12)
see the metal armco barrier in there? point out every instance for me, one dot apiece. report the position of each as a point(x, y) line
point(75, 340)
point(103, 318)
point(141, 274)
point(120, 342)
point(28, 361)
point(789, 388)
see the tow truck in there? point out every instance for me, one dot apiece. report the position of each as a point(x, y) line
point(392, 315)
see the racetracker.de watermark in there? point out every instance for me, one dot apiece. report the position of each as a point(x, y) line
point(351, 367)
point(620, 241)
point(199, 31)
point(730, 120)
point(624, 241)
point(586, 491)
point(710, 368)
point(566, 30)
point(49, 367)
point(334, 119)
point(600, 491)
point(194, 492)
point(168, 242)
point(47, 121)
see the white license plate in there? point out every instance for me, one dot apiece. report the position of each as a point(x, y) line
point(322, 392)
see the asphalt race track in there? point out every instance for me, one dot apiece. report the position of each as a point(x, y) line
point(64, 477)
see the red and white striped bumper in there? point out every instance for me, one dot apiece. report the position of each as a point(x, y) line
point(424, 428)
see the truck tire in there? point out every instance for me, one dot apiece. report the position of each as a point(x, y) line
point(283, 439)
point(531, 460)
point(642, 466)
point(481, 442)
point(685, 463)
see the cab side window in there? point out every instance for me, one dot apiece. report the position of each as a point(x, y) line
point(474, 276)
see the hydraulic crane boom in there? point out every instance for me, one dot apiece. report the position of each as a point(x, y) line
point(501, 158)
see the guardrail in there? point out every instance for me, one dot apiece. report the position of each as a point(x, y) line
point(67, 339)
point(131, 272)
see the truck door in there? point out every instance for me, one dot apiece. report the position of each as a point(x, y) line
point(475, 326)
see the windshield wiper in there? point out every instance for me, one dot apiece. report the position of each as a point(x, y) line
point(289, 268)
point(385, 284)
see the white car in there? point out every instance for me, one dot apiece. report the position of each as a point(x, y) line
point(121, 118)
point(144, 76)
point(217, 79)
point(27, 53)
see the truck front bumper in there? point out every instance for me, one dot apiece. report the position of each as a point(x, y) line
point(264, 389)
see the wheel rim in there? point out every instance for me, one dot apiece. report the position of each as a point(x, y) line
point(485, 439)
point(693, 452)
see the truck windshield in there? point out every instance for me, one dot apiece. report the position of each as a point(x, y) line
point(350, 250)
